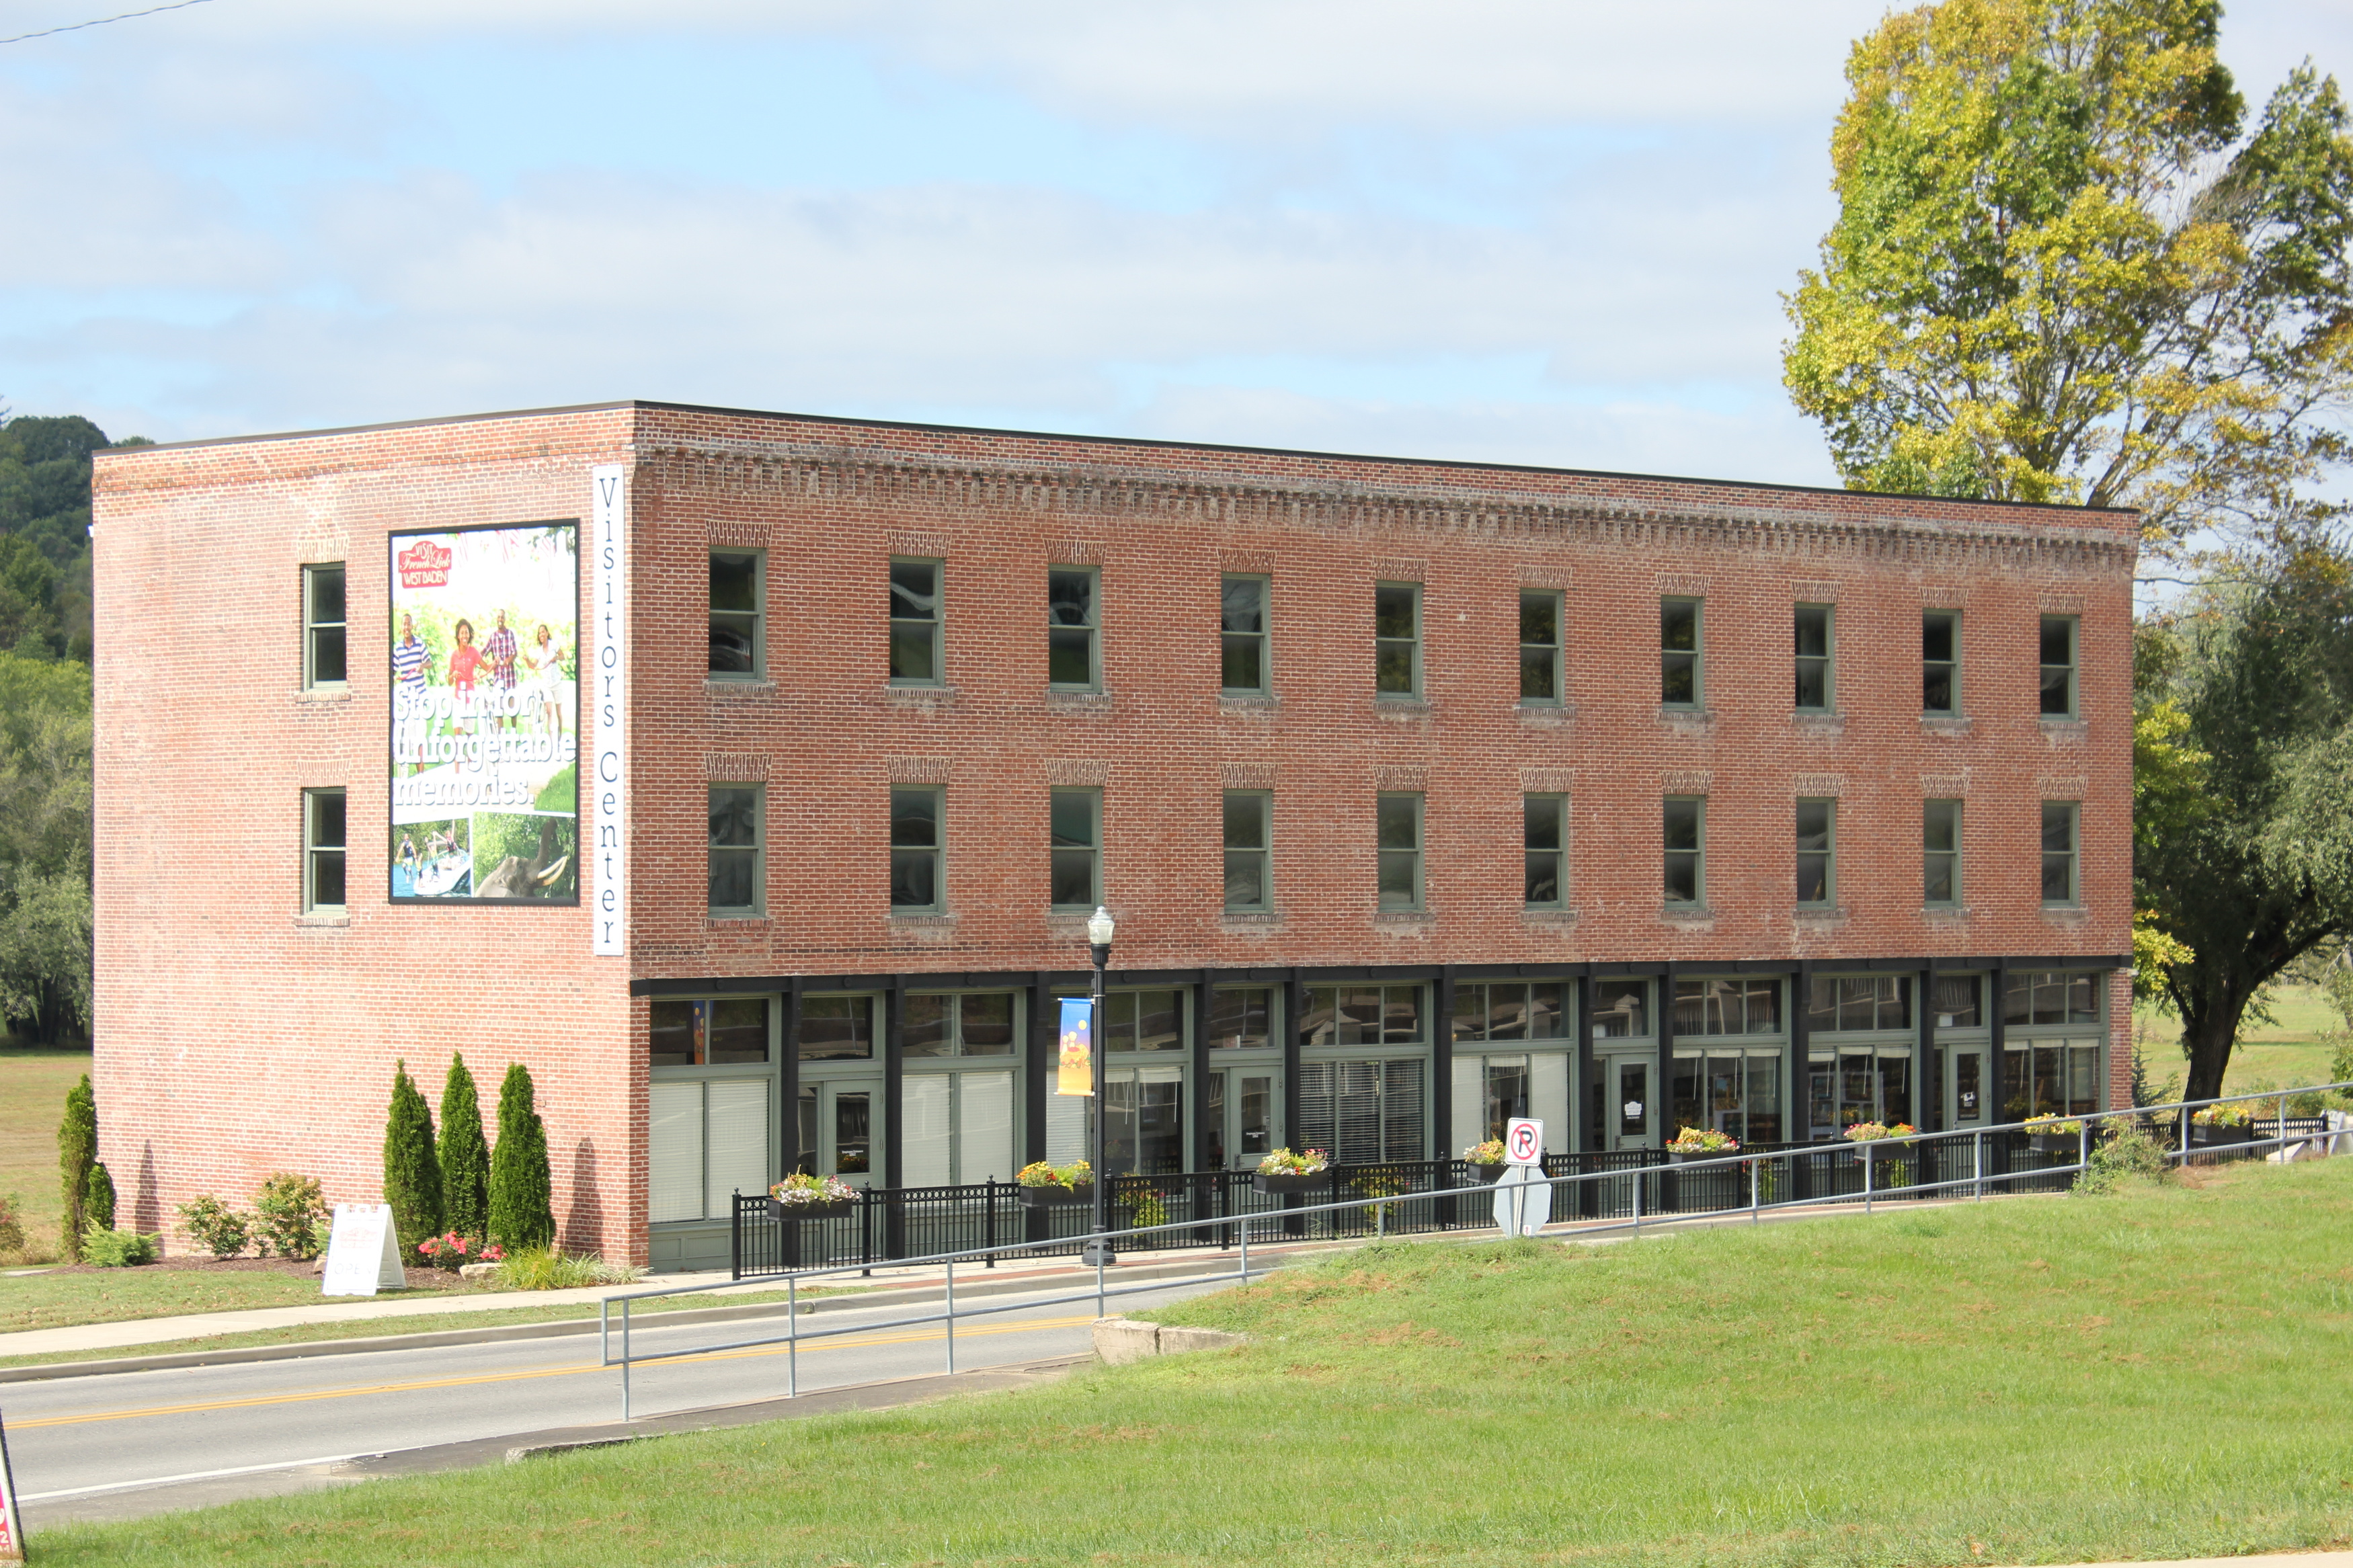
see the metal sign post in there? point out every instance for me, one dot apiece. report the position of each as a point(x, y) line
point(11, 1522)
point(1522, 1198)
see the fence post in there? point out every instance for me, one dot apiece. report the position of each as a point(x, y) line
point(1755, 1200)
point(988, 1239)
point(2083, 1151)
point(1976, 1166)
point(792, 1337)
point(2279, 1126)
point(1639, 1172)
point(950, 1314)
point(1870, 1158)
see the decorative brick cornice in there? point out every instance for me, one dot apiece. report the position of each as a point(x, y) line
point(1257, 560)
point(1246, 776)
point(1818, 786)
point(729, 533)
point(1686, 781)
point(2060, 788)
point(1395, 777)
point(735, 767)
point(1945, 786)
point(919, 769)
point(1679, 583)
point(1547, 781)
point(1077, 772)
point(1814, 590)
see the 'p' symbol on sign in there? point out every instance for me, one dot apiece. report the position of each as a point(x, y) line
point(1524, 1141)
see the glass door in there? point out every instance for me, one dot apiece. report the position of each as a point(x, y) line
point(840, 1132)
point(1240, 1112)
point(1145, 1132)
point(1629, 1115)
point(1965, 1086)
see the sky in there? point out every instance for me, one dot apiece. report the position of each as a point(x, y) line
point(1536, 231)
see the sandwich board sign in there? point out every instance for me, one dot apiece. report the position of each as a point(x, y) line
point(363, 1252)
point(1522, 1198)
point(12, 1523)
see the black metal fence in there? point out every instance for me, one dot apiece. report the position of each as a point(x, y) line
point(1441, 1195)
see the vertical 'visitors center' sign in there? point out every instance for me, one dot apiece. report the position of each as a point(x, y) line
point(608, 676)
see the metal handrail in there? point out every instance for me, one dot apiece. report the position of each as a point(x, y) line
point(1104, 1290)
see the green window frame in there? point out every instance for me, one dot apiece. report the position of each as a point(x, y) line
point(959, 1024)
point(1817, 845)
point(836, 1029)
point(1940, 854)
point(1244, 668)
point(1682, 650)
point(918, 849)
point(1250, 849)
point(1511, 1011)
point(1683, 836)
point(324, 829)
point(1940, 663)
point(1242, 1018)
point(738, 848)
point(1075, 856)
point(1858, 1003)
point(916, 603)
point(1397, 829)
point(739, 595)
point(325, 635)
point(1544, 832)
point(1540, 647)
point(1074, 628)
point(1363, 1015)
point(1396, 639)
point(1814, 628)
point(2062, 844)
point(715, 1031)
point(2059, 644)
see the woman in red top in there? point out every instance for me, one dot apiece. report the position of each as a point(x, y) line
point(464, 660)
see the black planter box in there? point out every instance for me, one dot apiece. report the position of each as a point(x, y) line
point(1291, 1182)
point(1678, 1158)
point(2218, 1134)
point(827, 1210)
point(1056, 1196)
point(2054, 1142)
point(1481, 1175)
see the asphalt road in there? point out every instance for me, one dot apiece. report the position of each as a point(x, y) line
point(71, 1438)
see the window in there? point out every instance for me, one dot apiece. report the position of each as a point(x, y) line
point(1679, 653)
point(2059, 823)
point(1684, 831)
point(1073, 655)
point(1241, 626)
point(1813, 645)
point(956, 1127)
point(1249, 874)
point(1622, 1009)
point(737, 592)
point(1396, 639)
point(1733, 1091)
point(1954, 1000)
point(837, 1029)
point(915, 623)
point(1940, 852)
point(322, 625)
point(1076, 869)
point(1546, 854)
point(2049, 1079)
point(706, 1141)
point(1940, 662)
point(1144, 1021)
point(1362, 1112)
point(1843, 1002)
point(725, 1032)
point(1817, 852)
point(1399, 817)
point(1240, 1019)
point(1487, 1011)
point(2059, 667)
point(970, 1024)
point(916, 843)
point(2034, 996)
point(1744, 1007)
point(1362, 1015)
point(323, 850)
point(1539, 646)
point(736, 884)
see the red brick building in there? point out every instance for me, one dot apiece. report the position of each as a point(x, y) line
point(1424, 794)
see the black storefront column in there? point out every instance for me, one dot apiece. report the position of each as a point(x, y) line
point(1797, 1108)
point(1441, 1068)
point(792, 1156)
point(1927, 1100)
point(1295, 1011)
point(1580, 1084)
point(1205, 997)
point(1662, 1095)
point(1993, 1097)
point(1044, 1058)
point(895, 1087)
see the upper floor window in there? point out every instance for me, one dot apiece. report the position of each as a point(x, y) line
point(1362, 1015)
point(1248, 839)
point(2058, 644)
point(1539, 646)
point(1679, 653)
point(915, 623)
point(323, 850)
point(2061, 819)
point(735, 849)
point(737, 592)
point(1684, 830)
point(1743, 1006)
point(1940, 852)
point(1073, 656)
point(1242, 629)
point(1836, 1003)
point(968, 1023)
point(1940, 661)
point(1077, 851)
point(323, 646)
point(1396, 639)
point(916, 842)
point(1817, 852)
point(1400, 831)
point(1814, 690)
point(1545, 856)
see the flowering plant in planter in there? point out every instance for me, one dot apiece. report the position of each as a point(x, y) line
point(802, 1190)
point(2051, 1125)
point(2222, 1116)
point(1041, 1174)
point(455, 1252)
point(1872, 1131)
point(1283, 1163)
point(1491, 1152)
point(1702, 1141)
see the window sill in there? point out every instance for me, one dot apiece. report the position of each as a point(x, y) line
point(1077, 701)
point(1547, 715)
point(1540, 918)
point(1945, 915)
point(1824, 913)
point(1249, 704)
point(324, 920)
point(1405, 923)
point(734, 920)
point(1396, 705)
point(1694, 917)
point(1687, 721)
point(1825, 724)
point(2068, 916)
point(339, 692)
point(2065, 728)
point(922, 917)
point(738, 686)
point(1249, 922)
point(1950, 724)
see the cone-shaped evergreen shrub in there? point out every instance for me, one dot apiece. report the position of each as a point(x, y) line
point(98, 1201)
point(465, 1155)
point(520, 1211)
point(77, 1151)
point(412, 1176)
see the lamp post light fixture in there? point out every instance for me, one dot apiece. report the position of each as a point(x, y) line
point(1100, 927)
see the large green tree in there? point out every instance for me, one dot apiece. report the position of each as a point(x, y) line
point(2243, 837)
point(44, 846)
point(2065, 267)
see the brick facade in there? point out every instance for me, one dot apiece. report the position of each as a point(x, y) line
point(238, 1037)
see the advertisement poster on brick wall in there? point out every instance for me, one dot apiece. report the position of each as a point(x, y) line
point(486, 715)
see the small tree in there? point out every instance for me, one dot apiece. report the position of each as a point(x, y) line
point(412, 1176)
point(465, 1155)
point(98, 1201)
point(77, 1153)
point(521, 1212)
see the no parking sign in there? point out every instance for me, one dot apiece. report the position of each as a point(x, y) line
point(1523, 1142)
point(1523, 1200)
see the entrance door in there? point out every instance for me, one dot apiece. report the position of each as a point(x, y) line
point(1629, 1115)
point(841, 1130)
point(1145, 1133)
point(1965, 1086)
point(1241, 1117)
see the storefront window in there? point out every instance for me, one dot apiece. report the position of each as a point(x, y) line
point(2051, 997)
point(1362, 1015)
point(1727, 1007)
point(2054, 1080)
point(975, 1023)
point(1953, 998)
point(1846, 1003)
point(1362, 1112)
point(1240, 1017)
point(1620, 1009)
point(1736, 1093)
point(1515, 1010)
point(837, 1028)
point(727, 1032)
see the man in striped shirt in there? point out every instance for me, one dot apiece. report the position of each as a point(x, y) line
point(411, 665)
point(498, 653)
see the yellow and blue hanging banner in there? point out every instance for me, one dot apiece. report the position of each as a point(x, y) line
point(1074, 1063)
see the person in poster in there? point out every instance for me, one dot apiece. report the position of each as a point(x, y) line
point(484, 755)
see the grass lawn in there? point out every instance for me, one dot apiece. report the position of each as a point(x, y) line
point(2035, 1380)
point(33, 1084)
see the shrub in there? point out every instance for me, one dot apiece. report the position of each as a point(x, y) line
point(2128, 1157)
point(545, 1268)
point(465, 1155)
point(12, 1224)
point(289, 1216)
point(120, 1249)
point(521, 1215)
point(98, 1200)
point(77, 1151)
point(217, 1228)
point(412, 1175)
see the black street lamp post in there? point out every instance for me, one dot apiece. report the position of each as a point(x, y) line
point(1099, 935)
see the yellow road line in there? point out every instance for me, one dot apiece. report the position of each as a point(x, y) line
point(574, 1370)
